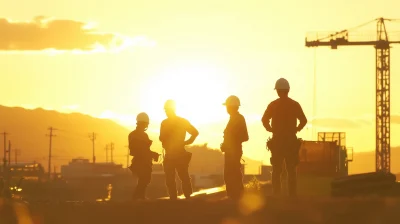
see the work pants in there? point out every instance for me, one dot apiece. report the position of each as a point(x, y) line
point(233, 174)
point(286, 149)
point(142, 170)
point(178, 163)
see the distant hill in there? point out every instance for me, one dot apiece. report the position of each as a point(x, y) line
point(365, 161)
point(28, 129)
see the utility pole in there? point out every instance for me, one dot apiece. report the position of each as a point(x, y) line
point(112, 150)
point(107, 153)
point(9, 152)
point(51, 129)
point(16, 153)
point(93, 138)
point(5, 150)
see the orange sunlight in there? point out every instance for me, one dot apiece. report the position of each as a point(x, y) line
point(199, 91)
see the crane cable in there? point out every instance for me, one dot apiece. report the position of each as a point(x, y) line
point(346, 30)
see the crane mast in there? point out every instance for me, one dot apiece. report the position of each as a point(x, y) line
point(382, 120)
point(382, 49)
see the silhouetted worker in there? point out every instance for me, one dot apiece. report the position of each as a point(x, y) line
point(172, 135)
point(284, 144)
point(235, 134)
point(139, 146)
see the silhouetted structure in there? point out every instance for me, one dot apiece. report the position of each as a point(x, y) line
point(382, 49)
point(326, 157)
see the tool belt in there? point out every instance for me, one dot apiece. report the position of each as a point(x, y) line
point(181, 158)
point(273, 144)
point(230, 147)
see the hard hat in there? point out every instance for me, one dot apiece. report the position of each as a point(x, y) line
point(232, 101)
point(282, 84)
point(170, 104)
point(142, 117)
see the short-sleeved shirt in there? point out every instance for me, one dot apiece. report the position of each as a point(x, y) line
point(173, 133)
point(235, 132)
point(284, 113)
point(139, 143)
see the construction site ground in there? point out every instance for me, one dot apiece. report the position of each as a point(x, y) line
point(312, 206)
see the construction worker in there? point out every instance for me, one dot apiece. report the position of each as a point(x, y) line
point(172, 136)
point(139, 146)
point(235, 134)
point(284, 145)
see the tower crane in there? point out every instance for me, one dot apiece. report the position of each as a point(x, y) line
point(382, 49)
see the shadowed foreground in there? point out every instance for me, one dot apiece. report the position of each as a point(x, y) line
point(252, 209)
point(313, 207)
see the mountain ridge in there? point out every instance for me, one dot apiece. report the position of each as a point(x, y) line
point(28, 130)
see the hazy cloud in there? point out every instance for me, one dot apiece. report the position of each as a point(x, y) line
point(42, 33)
point(337, 122)
point(357, 122)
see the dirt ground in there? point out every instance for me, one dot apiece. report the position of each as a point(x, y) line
point(313, 206)
point(251, 210)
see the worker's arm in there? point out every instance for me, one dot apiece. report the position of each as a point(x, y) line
point(302, 118)
point(131, 145)
point(266, 118)
point(192, 131)
point(244, 135)
point(162, 132)
point(139, 145)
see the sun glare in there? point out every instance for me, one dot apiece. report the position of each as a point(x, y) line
point(198, 90)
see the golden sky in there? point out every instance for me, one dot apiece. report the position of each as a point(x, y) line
point(197, 52)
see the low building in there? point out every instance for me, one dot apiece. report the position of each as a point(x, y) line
point(81, 168)
point(29, 171)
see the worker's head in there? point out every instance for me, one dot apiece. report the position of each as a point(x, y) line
point(142, 121)
point(170, 108)
point(282, 87)
point(232, 104)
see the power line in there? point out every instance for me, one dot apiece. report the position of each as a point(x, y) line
point(51, 129)
point(93, 138)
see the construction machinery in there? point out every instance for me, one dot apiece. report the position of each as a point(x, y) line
point(382, 44)
point(327, 157)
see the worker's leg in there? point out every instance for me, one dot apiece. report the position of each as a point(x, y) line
point(276, 162)
point(144, 178)
point(183, 173)
point(228, 175)
point(292, 160)
point(233, 175)
point(169, 170)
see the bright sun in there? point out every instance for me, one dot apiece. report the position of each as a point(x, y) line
point(198, 90)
